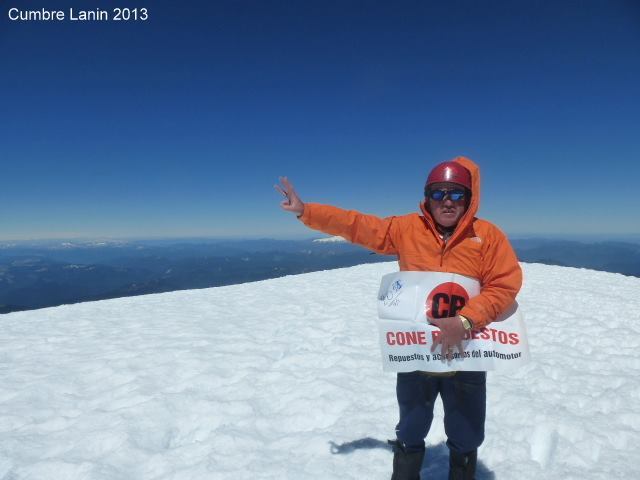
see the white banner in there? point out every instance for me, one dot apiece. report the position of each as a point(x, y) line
point(406, 337)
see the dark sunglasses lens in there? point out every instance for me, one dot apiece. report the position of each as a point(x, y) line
point(439, 195)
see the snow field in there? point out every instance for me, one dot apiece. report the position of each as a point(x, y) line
point(282, 379)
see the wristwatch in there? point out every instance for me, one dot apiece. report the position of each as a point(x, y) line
point(466, 323)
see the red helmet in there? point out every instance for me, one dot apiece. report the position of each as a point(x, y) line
point(449, 172)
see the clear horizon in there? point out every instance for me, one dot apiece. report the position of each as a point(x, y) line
point(178, 126)
point(632, 238)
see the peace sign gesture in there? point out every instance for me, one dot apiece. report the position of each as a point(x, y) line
point(291, 202)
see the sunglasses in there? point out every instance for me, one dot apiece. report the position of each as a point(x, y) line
point(440, 195)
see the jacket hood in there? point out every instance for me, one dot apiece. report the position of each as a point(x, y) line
point(474, 205)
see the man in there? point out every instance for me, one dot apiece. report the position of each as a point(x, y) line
point(447, 237)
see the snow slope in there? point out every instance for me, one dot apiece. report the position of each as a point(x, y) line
point(282, 379)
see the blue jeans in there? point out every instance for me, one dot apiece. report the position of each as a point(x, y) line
point(463, 397)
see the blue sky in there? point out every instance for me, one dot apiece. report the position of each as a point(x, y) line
point(179, 126)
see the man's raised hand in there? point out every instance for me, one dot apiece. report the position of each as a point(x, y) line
point(291, 202)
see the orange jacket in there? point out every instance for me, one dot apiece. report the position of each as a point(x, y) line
point(477, 248)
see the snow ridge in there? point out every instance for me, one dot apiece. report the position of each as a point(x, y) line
point(335, 239)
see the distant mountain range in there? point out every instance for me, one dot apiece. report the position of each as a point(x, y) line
point(47, 274)
point(616, 257)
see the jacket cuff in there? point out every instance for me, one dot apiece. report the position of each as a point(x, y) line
point(306, 214)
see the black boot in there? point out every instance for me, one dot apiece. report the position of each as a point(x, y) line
point(406, 466)
point(462, 466)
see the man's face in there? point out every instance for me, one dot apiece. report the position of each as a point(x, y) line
point(447, 212)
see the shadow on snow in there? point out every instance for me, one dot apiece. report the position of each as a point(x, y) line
point(435, 464)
